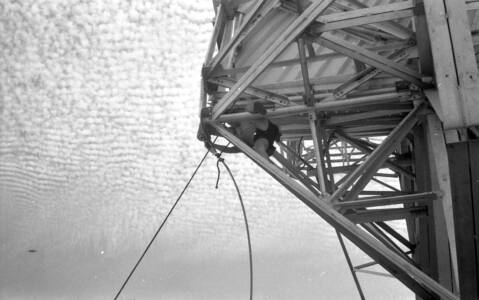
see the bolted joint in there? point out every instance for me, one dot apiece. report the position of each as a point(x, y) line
point(305, 99)
point(402, 86)
point(210, 88)
point(308, 100)
point(201, 134)
point(411, 42)
point(205, 70)
point(428, 80)
point(205, 113)
point(414, 92)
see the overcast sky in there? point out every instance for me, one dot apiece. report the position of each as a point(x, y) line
point(99, 103)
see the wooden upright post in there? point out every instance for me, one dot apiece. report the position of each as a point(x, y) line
point(425, 252)
point(455, 65)
point(443, 214)
point(464, 166)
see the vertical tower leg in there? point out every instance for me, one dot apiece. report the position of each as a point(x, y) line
point(464, 165)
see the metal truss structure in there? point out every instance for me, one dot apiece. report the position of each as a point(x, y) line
point(366, 94)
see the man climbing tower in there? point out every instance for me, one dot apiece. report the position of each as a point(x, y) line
point(259, 133)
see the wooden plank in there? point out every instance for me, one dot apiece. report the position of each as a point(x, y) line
point(425, 252)
point(455, 71)
point(443, 209)
point(426, 65)
point(464, 219)
point(406, 185)
point(443, 58)
point(465, 59)
point(433, 96)
point(291, 32)
point(474, 164)
point(364, 20)
point(366, 12)
point(392, 28)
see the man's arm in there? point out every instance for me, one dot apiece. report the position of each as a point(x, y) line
point(257, 108)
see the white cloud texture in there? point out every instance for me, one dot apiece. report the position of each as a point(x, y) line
point(98, 105)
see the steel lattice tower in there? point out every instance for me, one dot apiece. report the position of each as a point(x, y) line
point(365, 93)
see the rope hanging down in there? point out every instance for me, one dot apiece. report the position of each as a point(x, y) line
point(159, 228)
point(218, 155)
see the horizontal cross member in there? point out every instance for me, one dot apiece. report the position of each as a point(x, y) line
point(361, 14)
point(310, 59)
point(256, 92)
point(322, 106)
point(275, 49)
point(410, 275)
point(427, 196)
point(379, 215)
point(364, 16)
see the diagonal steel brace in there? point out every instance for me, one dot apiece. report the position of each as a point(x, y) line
point(376, 159)
point(275, 49)
point(411, 276)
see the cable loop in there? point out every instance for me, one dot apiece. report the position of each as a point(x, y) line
point(161, 226)
point(250, 251)
point(219, 170)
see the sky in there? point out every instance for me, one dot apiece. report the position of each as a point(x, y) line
point(99, 112)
